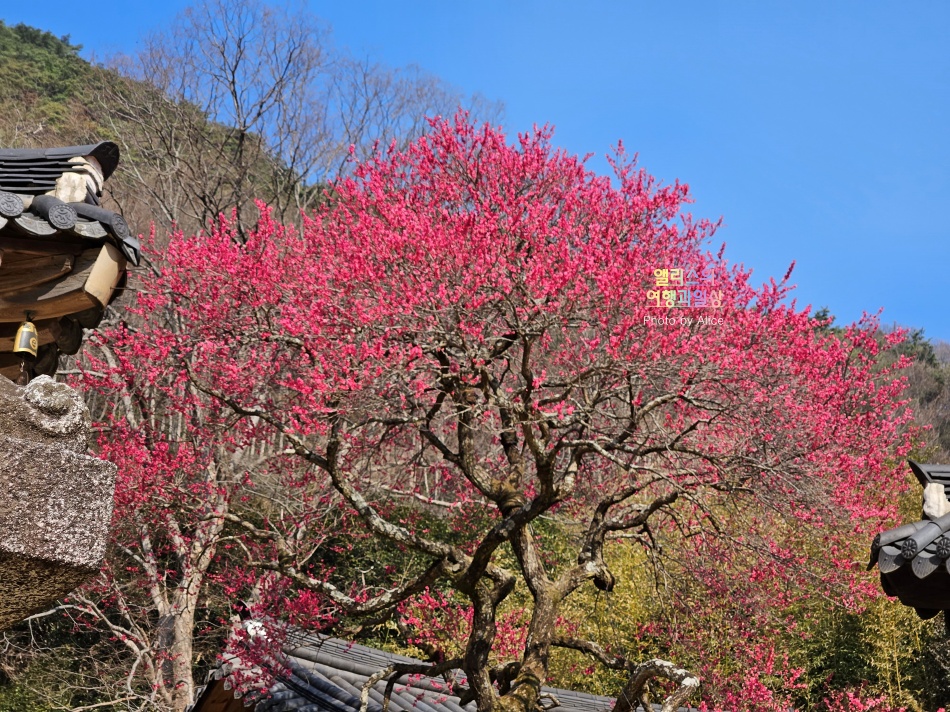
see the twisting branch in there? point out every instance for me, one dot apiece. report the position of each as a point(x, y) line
point(380, 526)
point(590, 559)
point(397, 670)
point(370, 516)
point(640, 674)
point(632, 691)
point(373, 605)
point(285, 565)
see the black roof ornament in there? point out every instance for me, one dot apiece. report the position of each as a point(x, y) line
point(914, 559)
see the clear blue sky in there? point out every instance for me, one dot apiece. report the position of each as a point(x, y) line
point(819, 131)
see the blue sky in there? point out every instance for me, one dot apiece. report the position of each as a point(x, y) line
point(819, 132)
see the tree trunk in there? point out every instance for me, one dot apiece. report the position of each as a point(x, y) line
point(526, 687)
point(182, 680)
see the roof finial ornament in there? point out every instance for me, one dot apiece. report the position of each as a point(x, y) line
point(936, 503)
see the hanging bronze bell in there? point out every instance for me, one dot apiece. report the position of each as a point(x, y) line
point(27, 340)
point(24, 376)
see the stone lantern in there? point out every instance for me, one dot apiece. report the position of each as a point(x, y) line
point(63, 258)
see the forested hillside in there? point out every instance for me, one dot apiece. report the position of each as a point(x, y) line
point(296, 405)
point(46, 85)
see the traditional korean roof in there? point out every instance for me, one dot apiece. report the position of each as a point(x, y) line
point(324, 674)
point(44, 222)
point(914, 559)
point(55, 193)
point(36, 171)
point(63, 256)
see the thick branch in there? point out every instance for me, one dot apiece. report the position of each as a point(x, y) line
point(397, 670)
point(512, 528)
point(370, 516)
point(373, 605)
point(639, 675)
point(590, 560)
point(632, 691)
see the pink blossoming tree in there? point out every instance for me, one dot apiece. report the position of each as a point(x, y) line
point(457, 348)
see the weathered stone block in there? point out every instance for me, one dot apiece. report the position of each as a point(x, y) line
point(55, 501)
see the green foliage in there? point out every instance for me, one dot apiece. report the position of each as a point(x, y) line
point(617, 619)
point(40, 73)
point(20, 697)
point(879, 648)
point(48, 665)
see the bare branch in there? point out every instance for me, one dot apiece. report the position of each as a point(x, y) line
point(640, 674)
point(397, 670)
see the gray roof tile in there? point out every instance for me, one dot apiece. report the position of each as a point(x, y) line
point(326, 674)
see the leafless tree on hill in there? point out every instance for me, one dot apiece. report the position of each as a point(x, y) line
point(240, 100)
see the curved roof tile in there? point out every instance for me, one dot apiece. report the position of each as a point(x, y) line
point(325, 674)
point(914, 559)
